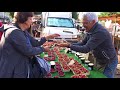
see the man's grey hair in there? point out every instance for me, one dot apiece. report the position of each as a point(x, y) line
point(91, 16)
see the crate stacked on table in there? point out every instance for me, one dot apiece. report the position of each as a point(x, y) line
point(62, 65)
point(78, 69)
point(59, 69)
point(51, 56)
point(63, 59)
point(79, 76)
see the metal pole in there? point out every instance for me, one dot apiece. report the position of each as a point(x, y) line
point(115, 23)
point(117, 47)
point(115, 28)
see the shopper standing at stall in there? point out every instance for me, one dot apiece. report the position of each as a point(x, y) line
point(17, 47)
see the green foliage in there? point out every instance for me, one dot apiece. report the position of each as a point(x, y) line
point(11, 14)
point(108, 13)
point(36, 13)
point(75, 15)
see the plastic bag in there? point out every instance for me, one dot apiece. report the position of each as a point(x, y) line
point(44, 64)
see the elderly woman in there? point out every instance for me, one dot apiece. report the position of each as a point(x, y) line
point(17, 46)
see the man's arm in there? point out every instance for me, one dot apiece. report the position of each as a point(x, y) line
point(84, 41)
point(91, 44)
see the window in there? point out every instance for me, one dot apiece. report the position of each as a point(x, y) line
point(60, 22)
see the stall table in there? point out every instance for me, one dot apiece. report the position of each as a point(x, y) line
point(93, 73)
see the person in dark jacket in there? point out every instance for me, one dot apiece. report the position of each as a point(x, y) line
point(17, 46)
point(34, 28)
point(1, 29)
point(99, 41)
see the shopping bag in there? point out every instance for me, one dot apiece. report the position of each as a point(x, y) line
point(44, 64)
point(38, 68)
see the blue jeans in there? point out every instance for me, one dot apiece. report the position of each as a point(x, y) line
point(110, 69)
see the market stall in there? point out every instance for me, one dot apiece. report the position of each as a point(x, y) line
point(115, 19)
point(63, 59)
point(115, 29)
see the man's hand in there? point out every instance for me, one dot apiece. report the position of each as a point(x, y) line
point(52, 36)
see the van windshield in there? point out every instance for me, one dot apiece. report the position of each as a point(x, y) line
point(60, 22)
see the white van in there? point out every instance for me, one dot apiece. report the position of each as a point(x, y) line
point(61, 23)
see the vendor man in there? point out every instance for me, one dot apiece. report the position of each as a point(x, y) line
point(99, 41)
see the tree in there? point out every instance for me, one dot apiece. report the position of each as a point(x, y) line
point(75, 15)
point(108, 13)
point(37, 13)
point(11, 14)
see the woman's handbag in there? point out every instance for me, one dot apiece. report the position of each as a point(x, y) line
point(44, 64)
point(38, 67)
